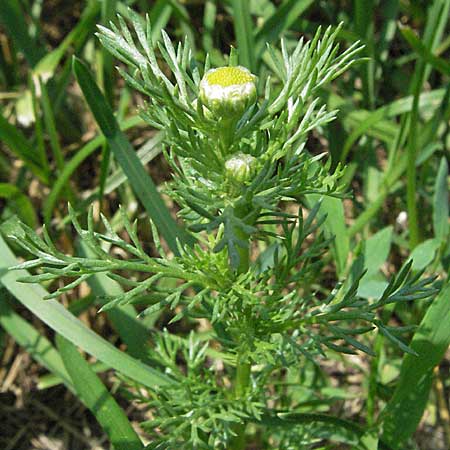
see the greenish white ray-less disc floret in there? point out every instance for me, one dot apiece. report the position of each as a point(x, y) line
point(228, 91)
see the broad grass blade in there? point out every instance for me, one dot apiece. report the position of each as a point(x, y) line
point(431, 340)
point(97, 398)
point(243, 28)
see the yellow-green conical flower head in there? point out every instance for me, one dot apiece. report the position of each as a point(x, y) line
point(228, 91)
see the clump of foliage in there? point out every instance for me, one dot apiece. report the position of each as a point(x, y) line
point(251, 265)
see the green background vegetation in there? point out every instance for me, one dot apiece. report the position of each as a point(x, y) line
point(60, 142)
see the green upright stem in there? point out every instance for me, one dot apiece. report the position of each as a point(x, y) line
point(244, 258)
point(243, 367)
point(242, 381)
point(242, 378)
point(226, 127)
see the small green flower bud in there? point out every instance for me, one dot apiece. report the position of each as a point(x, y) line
point(240, 168)
point(228, 91)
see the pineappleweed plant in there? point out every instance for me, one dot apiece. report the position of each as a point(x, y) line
point(237, 146)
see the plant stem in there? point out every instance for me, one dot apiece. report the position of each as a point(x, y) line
point(242, 377)
point(243, 367)
point(241, 384)
point(244, 259)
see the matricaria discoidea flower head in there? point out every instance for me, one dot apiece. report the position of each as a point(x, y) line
point(228, 91)
point(240, 167)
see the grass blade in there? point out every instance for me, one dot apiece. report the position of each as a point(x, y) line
point(285, 15)
point(369, 122)
point(440, 202)
point(364, 27)
point(335, 226)
point(19, 145)
point(97, 398)
point(72, 165)
point(50, 125)
point(431, 340)
point(159, 17)
point(436, 20)
point(243, 29)
point(389, 13)
point(47, 66)
point(19, 203)
point(13, 19)
point(417, 45)
point(50, 380)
